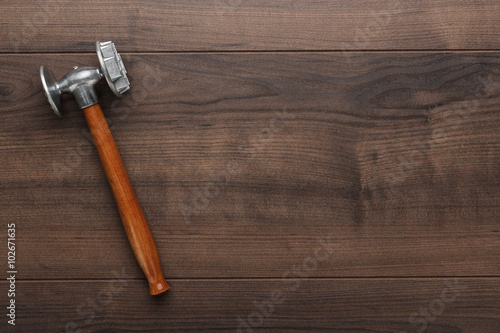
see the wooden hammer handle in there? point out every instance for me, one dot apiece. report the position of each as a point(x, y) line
point(133, 219)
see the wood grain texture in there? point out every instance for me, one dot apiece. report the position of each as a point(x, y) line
point(345, 154)
point(395, 158)
point(152, 25)
point(326, 305)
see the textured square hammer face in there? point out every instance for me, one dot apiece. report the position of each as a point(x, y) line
point(113, 64)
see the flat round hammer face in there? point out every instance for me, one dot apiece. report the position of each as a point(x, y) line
point(51, 89)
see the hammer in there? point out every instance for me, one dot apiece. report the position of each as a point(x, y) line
point(81, 83)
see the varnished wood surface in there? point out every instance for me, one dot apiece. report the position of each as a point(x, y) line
point(237, 25)
point(406, 187)
point(378, 158)
point(326, 305)
point(360, 184)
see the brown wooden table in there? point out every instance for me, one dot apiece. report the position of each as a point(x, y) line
point(327, 166)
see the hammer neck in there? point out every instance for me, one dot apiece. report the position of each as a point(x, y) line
point(81, 83)
point(85, 95)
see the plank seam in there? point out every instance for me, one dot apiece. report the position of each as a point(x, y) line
point(267, 52)
point(272, 278)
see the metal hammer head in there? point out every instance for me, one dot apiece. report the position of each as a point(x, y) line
point(81, 81)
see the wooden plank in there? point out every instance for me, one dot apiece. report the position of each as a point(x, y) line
point(326, 305)
point(64, 26)
point(394, 156)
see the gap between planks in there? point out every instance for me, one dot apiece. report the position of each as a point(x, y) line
point(266, 52)
point(278, 278)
